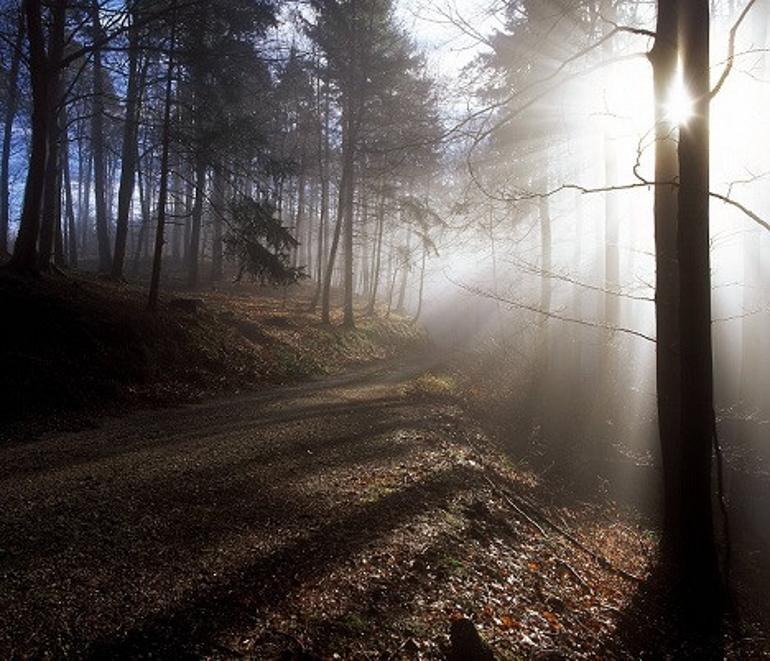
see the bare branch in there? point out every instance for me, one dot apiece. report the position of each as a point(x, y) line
point(546, 313)
point(731, 50)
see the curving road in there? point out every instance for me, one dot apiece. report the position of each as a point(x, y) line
point(155, 532)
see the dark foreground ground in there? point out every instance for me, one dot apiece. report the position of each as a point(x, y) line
point(351, 515)
point(356, 516)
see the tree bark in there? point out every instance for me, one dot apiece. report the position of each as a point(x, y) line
point(348, 320)
point(25, 250)
point(378, 256)
point(422, 284)
point(130, 149)
point(52, 189)
point(152, 301)
point(10, 115)
point(323, 219)
point(697, 546)
point(193, 251)
point(218, 212)
point(72, 243)
point(345, 185)
point(664, 57)
point(97, 145)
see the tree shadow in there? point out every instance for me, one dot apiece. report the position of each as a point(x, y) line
point(661, 622)
point(189, 628)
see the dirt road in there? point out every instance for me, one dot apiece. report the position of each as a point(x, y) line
point(159, 531)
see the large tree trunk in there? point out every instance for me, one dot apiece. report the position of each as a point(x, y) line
point(129, 152)
point(664, 57)
point(52, 188)
point(696, 541)
point(12, 105)
point(98, 147)
point(25, 250)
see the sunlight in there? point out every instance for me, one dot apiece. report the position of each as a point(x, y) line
point(679, 106)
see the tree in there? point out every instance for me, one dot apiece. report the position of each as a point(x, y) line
point(261, 246)
point(696, 545)
point(366, 56)
point(25, 257)
point(12, 104)
point(130, 150)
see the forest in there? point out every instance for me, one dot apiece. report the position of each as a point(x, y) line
point(385, 329)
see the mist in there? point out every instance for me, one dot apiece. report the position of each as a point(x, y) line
point(475, 290)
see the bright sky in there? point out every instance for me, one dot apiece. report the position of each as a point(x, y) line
point(449, 46)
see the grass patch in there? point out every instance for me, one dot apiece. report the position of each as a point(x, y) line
point(429, 384)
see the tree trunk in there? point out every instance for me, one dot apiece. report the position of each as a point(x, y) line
point(97, 145)
point(25, 250)
point(422, 285)
point(130, 150)
point(152, 302)
point(84, 210)
point(193, 250)
point(697, 546)
point(217, 212)
point(12, 105)
point(345, 184)
point(545, 249)
point(299, 218)
point(378, 257)
point(364, 257)
point(144, 203)
point(72, 243)
point(407, 267)
point(323, 219)
point(348, 320)
point(51, 189)
point(611, 236)
point(664, 57)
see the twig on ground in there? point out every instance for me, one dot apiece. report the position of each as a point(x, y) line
point(517, 504)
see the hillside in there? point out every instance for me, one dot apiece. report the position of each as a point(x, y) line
point(74, 346)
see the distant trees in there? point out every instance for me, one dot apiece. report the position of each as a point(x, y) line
point(214, 124)
point(308, 132)
point(384, 102)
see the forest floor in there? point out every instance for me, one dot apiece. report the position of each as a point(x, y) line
point(337, 502)
point(354, 516)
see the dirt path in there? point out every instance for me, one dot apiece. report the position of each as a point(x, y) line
point(339, 516)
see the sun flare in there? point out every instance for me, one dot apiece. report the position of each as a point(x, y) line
point(679, 106)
